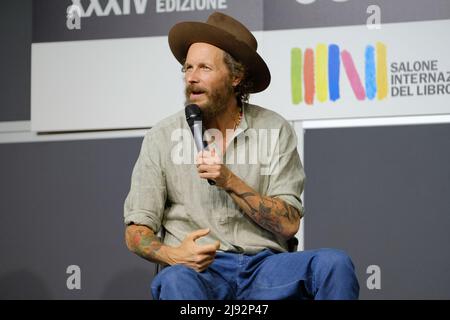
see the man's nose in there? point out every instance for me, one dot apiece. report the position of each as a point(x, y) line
point(192, 76)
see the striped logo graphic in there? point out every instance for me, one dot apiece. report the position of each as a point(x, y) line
point(317, 74)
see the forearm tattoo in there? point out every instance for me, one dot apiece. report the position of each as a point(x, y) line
point(269, 212)
point(145, 243)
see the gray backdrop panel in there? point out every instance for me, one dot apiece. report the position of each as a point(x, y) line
point(62, 204)
point(49, 20)
point(382, 194)
point(288, 14)
point(15, 60)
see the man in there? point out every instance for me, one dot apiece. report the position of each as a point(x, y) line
point(228, 240)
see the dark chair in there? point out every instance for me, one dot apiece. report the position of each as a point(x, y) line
point(292, 244)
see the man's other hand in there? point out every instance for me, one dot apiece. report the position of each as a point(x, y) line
point(190, 254)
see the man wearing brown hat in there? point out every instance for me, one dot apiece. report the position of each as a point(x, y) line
point(227, 239)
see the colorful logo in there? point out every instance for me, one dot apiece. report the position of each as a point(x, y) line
point(319, 75)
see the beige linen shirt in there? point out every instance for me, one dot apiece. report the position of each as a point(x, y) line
point(166, 190)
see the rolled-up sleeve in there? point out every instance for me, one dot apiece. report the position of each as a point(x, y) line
point(145, 202)
point(287, 178)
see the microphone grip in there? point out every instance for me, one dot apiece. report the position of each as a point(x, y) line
point(199, 143)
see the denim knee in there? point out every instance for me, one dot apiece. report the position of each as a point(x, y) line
point(334, 275)
point(334, 259)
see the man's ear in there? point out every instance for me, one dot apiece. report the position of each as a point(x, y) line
point(237, 79)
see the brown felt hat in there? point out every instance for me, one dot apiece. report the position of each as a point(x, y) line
point(227, 34)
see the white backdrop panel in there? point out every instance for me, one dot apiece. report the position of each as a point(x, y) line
point(104, 84)
point(405, 42)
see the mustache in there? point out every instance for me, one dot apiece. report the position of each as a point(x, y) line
point(195, 89)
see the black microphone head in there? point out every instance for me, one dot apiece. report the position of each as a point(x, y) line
point(193, 113)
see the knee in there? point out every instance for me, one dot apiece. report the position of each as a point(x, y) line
point(334, 260)
point(334, 275)
point(171, 282)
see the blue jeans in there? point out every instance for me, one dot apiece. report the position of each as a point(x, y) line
point(311, 274)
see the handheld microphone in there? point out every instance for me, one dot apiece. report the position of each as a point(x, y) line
point(194, 119)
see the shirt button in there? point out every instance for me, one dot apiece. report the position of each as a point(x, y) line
point(223, 220)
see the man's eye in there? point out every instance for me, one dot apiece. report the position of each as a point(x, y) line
point(206, 68)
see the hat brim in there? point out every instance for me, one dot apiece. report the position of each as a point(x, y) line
point(184, 34)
